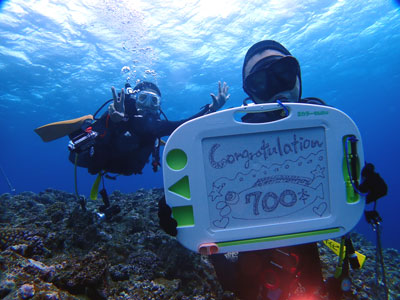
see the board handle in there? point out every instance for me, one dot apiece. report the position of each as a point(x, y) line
point(274, 110)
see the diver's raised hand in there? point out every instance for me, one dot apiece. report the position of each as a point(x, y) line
point(221, 98)
point(372, 184)
point(117, 108)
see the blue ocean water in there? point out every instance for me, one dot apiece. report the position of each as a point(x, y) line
point(58, 61)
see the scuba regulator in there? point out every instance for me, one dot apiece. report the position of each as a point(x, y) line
point(129, 91)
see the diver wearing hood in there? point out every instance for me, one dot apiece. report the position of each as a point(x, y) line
point(130, 131)
point(270, 74)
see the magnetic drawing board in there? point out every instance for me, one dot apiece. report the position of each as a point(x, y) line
point(237, 186)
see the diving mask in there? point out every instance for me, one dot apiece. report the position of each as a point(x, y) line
point(146, 100)
point(272, 75)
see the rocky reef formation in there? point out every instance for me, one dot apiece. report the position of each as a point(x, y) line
point(52, 249)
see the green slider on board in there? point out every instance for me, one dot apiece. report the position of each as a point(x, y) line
point(352, 195)
point(277, 237)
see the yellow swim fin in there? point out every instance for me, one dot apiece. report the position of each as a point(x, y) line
point(53, 131)
point(95, 188)
point(335, 247)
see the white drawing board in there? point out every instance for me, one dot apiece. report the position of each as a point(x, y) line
point(237, 186)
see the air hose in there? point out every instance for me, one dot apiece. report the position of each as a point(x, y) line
point(79, 199)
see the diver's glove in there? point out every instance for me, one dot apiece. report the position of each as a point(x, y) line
point(219, 101)
point(116, 109)
point(167, 223)
point(372, 184)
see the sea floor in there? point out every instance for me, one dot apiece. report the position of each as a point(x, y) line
point(52, 249)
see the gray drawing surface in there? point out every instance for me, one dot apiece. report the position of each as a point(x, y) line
point(266, 178)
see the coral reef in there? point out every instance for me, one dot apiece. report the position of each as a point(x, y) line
point(51, 249)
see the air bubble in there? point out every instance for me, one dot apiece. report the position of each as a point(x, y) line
point(125, 69)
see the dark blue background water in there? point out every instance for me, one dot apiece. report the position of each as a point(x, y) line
point(58, 61)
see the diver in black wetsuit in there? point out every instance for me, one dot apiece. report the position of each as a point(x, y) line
point(270, 74)
point(126, 135)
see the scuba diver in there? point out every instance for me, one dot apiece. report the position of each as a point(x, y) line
point(271, 74)
point(122, 140)
point(130, 131)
